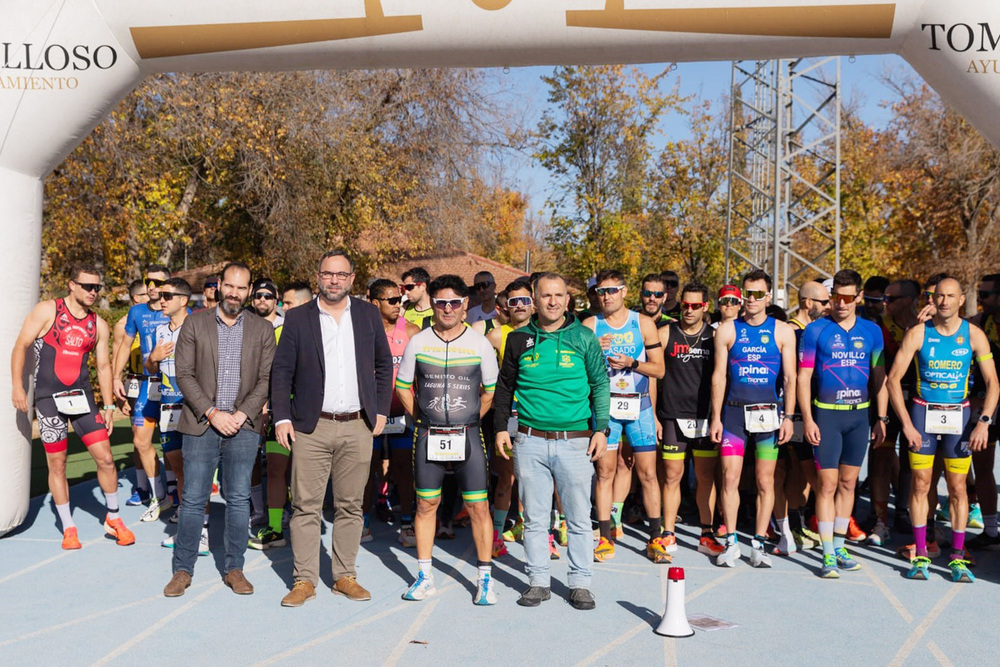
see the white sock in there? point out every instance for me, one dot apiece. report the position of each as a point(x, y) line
point(786, 534)
point(141, 480)
point(65, 516)
point(257, 499)
point(485, 571)
point(157, 487)
point(425, 567)
point(990, 524)
point(111, 502)
point(204, 522)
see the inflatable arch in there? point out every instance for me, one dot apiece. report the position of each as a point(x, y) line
point(65, 63)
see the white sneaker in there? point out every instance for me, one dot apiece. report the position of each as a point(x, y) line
point(203, 544)
point(880, 534)
point(730, 556)
point(152, 512)
point(168, 543)
point(407, 537)
point(758, 556)
point(485, 593)
point(366, 535)
point(421, 588)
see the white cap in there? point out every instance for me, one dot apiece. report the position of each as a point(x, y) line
point(828, 284)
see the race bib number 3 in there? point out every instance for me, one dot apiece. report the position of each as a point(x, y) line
point(395, 425)
point(625, 407)
point(72, 402)
point(693, 428)
point(761, 417)
point(943, 419)
point(446, 445)
point(170, 415)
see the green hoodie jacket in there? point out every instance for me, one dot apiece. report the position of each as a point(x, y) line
point(559, 379)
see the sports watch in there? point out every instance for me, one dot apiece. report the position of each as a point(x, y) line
point(986, 419)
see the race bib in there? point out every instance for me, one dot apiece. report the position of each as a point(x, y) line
point(133, 386)
point(943, 419)
point(693, 428)
point(153, 393)
point(761, 417)
point(446, 445)
point(395, 425)
point(72, 402)
point(170, 415)
point(625, 407)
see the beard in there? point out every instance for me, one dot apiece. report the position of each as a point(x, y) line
point(230, 308)
point(331, 293)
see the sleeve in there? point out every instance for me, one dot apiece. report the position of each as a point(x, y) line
point(503, 397)
point(490, 369)
point(132, 322)
point(808, 344)
point(597, 375)
point(185, 357)
point(383, 365)
point(283, 368)
point(407, 366)
point(878, 347)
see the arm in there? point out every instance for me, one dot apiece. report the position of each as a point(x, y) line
point(503, 398)
point(987, 367)
point(724, 337)
point(405, 379)
point(912, 342)
point(38, 320)
point(254, 401)
point(877, 386)
point(104, 374)
point(490, 373)
point(653, 366)
point(185, 357)
point(662, 335)
point(383, 372)
point(600, 395)
point(786, 338)
point(121, 355)
point(807, 363)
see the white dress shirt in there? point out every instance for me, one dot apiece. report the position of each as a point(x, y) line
point(340, 387)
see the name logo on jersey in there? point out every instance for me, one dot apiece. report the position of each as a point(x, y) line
point(945, 364)
point(961, 352)
point(440, 404)
point(626, 338)
point(848, 394)
point(838, 342)
point(621, 383)
point(530, 343)
point(566, 361)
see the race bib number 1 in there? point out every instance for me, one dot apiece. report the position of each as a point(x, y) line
point(942, 419)
point(625, 407)
point(446, 445)
point(761, 417)
point(72, 402)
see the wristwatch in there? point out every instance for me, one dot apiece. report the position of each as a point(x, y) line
point(635, 364)
point(884, 419)
point(607, 432)
point(986, 419)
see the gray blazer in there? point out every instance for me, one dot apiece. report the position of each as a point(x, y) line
point(197, 357)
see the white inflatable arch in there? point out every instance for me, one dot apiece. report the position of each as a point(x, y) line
point(65, 63)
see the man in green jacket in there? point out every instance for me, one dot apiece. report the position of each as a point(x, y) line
point(555, 367)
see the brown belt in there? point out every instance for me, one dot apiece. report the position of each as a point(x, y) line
point(553, 435)
point(341, 416)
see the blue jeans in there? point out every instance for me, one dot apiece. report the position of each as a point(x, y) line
point(202, 455)
point(537, 463)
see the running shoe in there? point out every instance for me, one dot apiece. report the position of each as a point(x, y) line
point(805, 539)
point(203, 542)
point(960, 571)
point(138, 497)
point(669, 543)
point(656, 552)
point(366, 535)
point(975, 516)
point(485, 592)
point(267, 538)
point(758, 556)
point(516, 532)
point(408, 538)
point(845, 561)
point(553, 550)
point(605, 550)
point(829, 569)
point(445, 532)
point(421, 588)
point(116, 529)
point(710, 546)
point(854, 532)
point(919, 568)
point(562, 534)
point(880, 534)
point(909, 552)
point(156, 507)
point(729, 556)
point(70, 539)
point(168, 542)
point(617, 531)
point(984, 541)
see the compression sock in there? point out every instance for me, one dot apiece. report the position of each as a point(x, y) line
point(65, 516)
point(485, 569)
point(616, 513)
point(840, 525)
point(171, 483)
point(990, 524)
point(554, 523)
point(920, 540)
point(111, 502)
point(274, 519)
point(605, 528)
point(957, 544)
point(787, 540)
point(826, 536)
point(499, 519)
point(653, 526)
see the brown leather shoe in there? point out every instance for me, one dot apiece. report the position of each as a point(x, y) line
point(302, 591)
point(175, 587)
point(351, 589)
point(239, 584)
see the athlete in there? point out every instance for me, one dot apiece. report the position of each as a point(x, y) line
point(683, 410)
point(210, 292)
point(418, 301)
point(730, 303)
point(988, 319)
point(62, 333)
point(446, 382)
point(874, 290)
point(134, 372)
point(485, 286)
point(751, 353)
point(295, 294)
point(671, 283)
point(939, 419)
point(844, 354)
point(142, 323)
point(633, 355)
point(651, 299)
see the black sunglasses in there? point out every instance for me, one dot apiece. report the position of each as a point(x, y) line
point(648, 293)
point(213, 284)
point(91, 287)
point(392, 300)
point(874, 299)
point(267, 296)
point(167, 296)
point(821, 302)
point(892, 298)
point(483, 285)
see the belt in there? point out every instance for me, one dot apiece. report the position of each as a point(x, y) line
point(842, 408)
point(553, 435)
point(341, 416)
point(922, 402)
point(737, 404)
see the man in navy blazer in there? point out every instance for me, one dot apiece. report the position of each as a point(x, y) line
point(331, 388)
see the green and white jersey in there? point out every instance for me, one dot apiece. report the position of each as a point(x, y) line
point(446, 376)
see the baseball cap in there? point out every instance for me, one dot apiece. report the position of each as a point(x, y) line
point(265, 284)
point(591, 283)
point(730, 290)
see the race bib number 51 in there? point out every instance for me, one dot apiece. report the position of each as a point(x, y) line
point(446, 445)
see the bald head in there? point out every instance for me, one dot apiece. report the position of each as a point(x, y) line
point(813, 290)
point(814, 299)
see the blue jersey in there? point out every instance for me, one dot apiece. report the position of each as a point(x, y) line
point(627, 341)
point(943, 364)
point(754, 363)
point(169, 391)
point(142, 322)
point(842, 359)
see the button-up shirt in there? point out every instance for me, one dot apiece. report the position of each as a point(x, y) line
point(340, 387)
point(228, 370)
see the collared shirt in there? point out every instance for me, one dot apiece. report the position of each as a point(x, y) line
point(230, 352)
point(340, 388)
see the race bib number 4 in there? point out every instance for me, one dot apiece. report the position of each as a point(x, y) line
point(943, 419)
point(446, 445)
point(395, 425)
point(625, 407)
point(761, 417)
point(693, 428)
point(72, 402)
point(170, 416)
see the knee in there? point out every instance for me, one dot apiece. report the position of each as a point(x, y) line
point(731, 479)
point(428, 507)
point(105, 462)
point(479, 510)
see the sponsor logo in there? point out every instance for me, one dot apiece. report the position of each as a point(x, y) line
point(859, 345)
point(765, 339)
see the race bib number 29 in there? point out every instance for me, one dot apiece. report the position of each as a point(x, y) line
point(625, 407)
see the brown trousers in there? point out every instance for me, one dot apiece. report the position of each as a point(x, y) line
point(340, 452)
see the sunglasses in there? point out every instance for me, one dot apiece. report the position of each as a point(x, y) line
point(516, 301)
point(730, 301)
point(612, 289)
point(874, 299)
point(409, 286)
point(153, 282)
point(756, 294)
point(91, 287)
point(392, 300)
point(692, 306)
point(483, 285)
point(211, 285)
point(844, 298)
point(267, 296)
point(821, 302)
point(648, 293)
point(167, 296)
point(444, 304)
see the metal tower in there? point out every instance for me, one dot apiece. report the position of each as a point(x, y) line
point(783, 212)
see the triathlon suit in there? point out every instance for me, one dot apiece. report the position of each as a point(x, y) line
point(842, 362)
point(628, 387)
point(422, 318)
point(446, 377)
point(134, 374)
point(171, 398)
point(803, 450)
point(141, 323)
point(940, 411)
point(60, 367)
point(398, 430)
point(686, 399)
point(754, 369)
